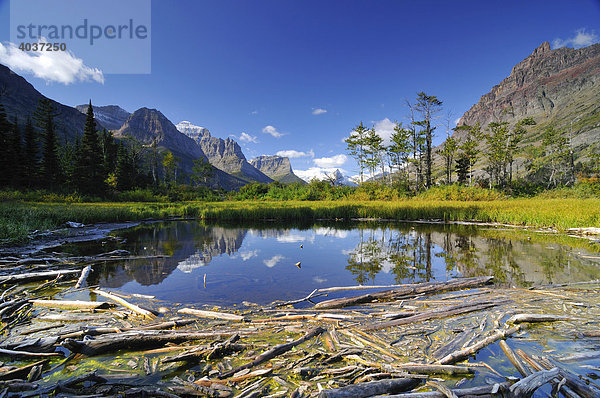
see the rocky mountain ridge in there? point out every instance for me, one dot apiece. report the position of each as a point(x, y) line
point(110, 116)
point(554, 87)
point(225, 154)
point(276, 167)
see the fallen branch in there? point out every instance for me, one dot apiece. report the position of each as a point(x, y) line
point(36, 276)
point(212, 314)
point(525, 387)
point(84, 274)
point(407, 290)
point(71, 304)
point(124, 303)
point(362, 390)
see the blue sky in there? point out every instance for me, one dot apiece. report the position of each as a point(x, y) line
point(240, 66)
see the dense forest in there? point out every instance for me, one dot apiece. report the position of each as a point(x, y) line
point(485, 163)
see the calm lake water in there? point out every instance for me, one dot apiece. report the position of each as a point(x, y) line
point(256, 263)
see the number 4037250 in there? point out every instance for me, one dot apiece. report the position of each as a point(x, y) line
point(43, 47)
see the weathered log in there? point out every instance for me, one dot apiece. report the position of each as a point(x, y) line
point(567, 391)
point(82, 278)
point(465, 352)
point(36, 276)
point(362, 390)
point(41, 344)
point(273, 352)
point(212, 314)
point(22, 372)
point(135, 340)
point(485, 391)
point(15, 353)
point(435, 369)
point(573, 381)
point(406, 290)
point(532, 318)
point(527, 386)
point(212, 351)
point(71, 304)
point(125, 303)
point(434, 314)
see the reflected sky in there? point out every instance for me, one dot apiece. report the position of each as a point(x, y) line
point(257, 263)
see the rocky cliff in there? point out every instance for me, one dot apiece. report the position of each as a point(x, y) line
point(226, 155)
point(276, 167)
point(110, 116)
point(20, 99)
point(555, 87)
point(147, 125)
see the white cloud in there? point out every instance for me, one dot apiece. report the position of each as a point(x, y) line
point(272, 131)
point(52, 66)
point(328, 231)
point(319, 111)
point(248, 138)
point(247, 255)
point(290, 238)
point(318, 279)
point(254, 113)
point(582, 38)
point(292, 154)
point(385, 129)
point(334, 161)
point(273, 260)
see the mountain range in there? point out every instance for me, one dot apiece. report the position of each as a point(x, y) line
point(557, 88)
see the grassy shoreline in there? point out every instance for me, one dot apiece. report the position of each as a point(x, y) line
point(18, 219)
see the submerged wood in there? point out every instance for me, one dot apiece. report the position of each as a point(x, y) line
point(565, 390)
point(406, 290)
point(124, 303)
point(273, 352)
point(531, 318)
point(22, 372)
point(211, 314)
point(369, 389)
point(433, 314)
point(485, 391)
point(514, 359)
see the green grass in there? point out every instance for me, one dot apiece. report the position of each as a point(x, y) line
point(18, 219)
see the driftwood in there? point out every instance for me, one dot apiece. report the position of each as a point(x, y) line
point(15, 353)
point(514, 359)
point(273, 352)
point(567, 391)
point(532, 318)
point(433, 314)
point(125, 303)
point(484, 391)
point(36, 276)
point(22, 372)
point(211, 314)
point(212, 351)
point(407, 290)
point(308, 298)
point(362, 390)
point(458, 356)
point(84, 274)
point(525, 387)
point(70, 304)
point(135, 340)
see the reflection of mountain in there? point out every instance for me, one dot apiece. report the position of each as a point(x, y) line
point(224, 241)
point(184, 245)
point(416, 255)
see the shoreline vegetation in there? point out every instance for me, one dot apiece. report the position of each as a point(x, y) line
point(20, 220)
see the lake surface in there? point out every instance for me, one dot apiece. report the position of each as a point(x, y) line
point(226, 264)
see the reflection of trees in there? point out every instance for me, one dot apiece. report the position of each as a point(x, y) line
point(365, 261)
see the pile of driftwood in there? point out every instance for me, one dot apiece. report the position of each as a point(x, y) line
point(460, 338)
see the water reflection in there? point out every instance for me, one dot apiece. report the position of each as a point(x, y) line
point(257, 263)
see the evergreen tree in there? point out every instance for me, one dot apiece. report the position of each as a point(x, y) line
point(68, 156)
point(89, 171)
point(125, 171)
point(5, 133)
point(202, 171)
point(462, 168)
point(169, 163)
point(373, 151)
point(109, 153)
point(16, 155)
point(51, 174)
point(30, 156)
point(448, 151)
point(356, 147)
point(427, 106)
point(470, 146)
point(399, 150)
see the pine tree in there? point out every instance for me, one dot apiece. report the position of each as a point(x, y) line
point(427, 106)
point(109, 153)
point(5, 133)
point(51, 174)
point(356, 147)
point(16, 155)
point(89, 171)
point(30, 156)
point(125, 170)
